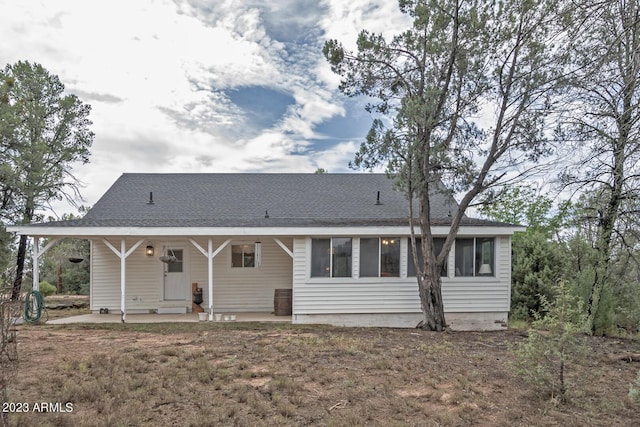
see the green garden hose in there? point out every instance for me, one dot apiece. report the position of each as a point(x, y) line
point(33, 307)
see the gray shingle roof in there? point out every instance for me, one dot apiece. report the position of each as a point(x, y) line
point(241, 200)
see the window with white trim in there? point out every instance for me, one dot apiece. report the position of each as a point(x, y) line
point(475, 257)
point(243, 255)
point(438, 243)
point(331, 257)
point(380, 257)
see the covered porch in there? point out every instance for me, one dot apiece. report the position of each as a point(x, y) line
point(234, 274)
point(130, 276)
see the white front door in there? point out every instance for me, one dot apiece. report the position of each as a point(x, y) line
point(175, 276)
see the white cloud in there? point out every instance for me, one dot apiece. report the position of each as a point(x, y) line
point(156, 72)
point(345, 19)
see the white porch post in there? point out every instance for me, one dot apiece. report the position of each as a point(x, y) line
point(123, 253)
point(36, 268)
point(210, 254)
point(210, 277)
point(36, 254)
point(123, 286)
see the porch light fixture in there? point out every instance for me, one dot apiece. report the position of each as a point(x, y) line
point(149, 250)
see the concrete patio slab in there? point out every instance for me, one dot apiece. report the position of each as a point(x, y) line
point(165, 318)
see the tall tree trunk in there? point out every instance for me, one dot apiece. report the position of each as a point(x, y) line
point(431, 300)
point(429, 280)
point(22, 252)
point(604, 235)
point(17, 283)
point(626, 44)
point(59, 284)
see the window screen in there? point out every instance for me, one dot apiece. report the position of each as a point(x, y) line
point(341, 254)
point(390, 257)
point(320, 261)
point(369, 260)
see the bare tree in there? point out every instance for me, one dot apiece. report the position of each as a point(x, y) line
point(604, 122)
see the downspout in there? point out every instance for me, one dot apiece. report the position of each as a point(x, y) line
point(36, 267)
point(123, 286)
point(210, 278)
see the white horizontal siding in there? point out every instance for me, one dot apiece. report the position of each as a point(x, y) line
point(143, 278)
point(387, 295)
point(235, 289)
point(252, 289)
point(105, 277)
point(365, 298)
point(243, 289)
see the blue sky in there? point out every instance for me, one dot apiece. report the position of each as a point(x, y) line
point(201, 86)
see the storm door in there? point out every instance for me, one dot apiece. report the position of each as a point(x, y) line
point(175, 276)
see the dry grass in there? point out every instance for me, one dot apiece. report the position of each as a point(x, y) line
point(265, 375)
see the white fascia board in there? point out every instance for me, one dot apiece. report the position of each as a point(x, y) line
point(88, 232)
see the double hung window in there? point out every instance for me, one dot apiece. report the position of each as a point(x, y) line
point(243, 256)
point(475, 257)
point(438, 243)
point(331, 257)
point(380, 257)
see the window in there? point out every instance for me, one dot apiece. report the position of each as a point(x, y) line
point(320, 257)
point(243, 255)
point(178, 265)
point(341, 257)
point(390, 257)
point(438, 243)
point(484, 257)
point(380, 257)
point(331, 257)
point(369, 257)
point(475, 257)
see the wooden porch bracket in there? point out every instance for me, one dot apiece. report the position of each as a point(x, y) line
point(123, 253)
point(36, 254)
point(210, 254)
point(284, 247)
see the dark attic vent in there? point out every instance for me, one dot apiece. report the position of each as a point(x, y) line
point(150, 202)
point(266, 213)
point(378, 202)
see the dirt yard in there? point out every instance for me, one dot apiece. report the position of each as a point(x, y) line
point(277, 374)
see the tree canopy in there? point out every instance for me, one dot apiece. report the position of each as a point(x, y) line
point(428, 87)
point(602, 124)
point(43, 132)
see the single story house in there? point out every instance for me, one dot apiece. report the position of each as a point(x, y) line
point(338, 242)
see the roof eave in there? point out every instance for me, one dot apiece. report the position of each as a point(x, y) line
point(88, 232)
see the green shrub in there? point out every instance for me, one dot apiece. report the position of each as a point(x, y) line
point(604, 321)
point(84, 289)
point(46, 289)
point(634, 389)
point(556, 343)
